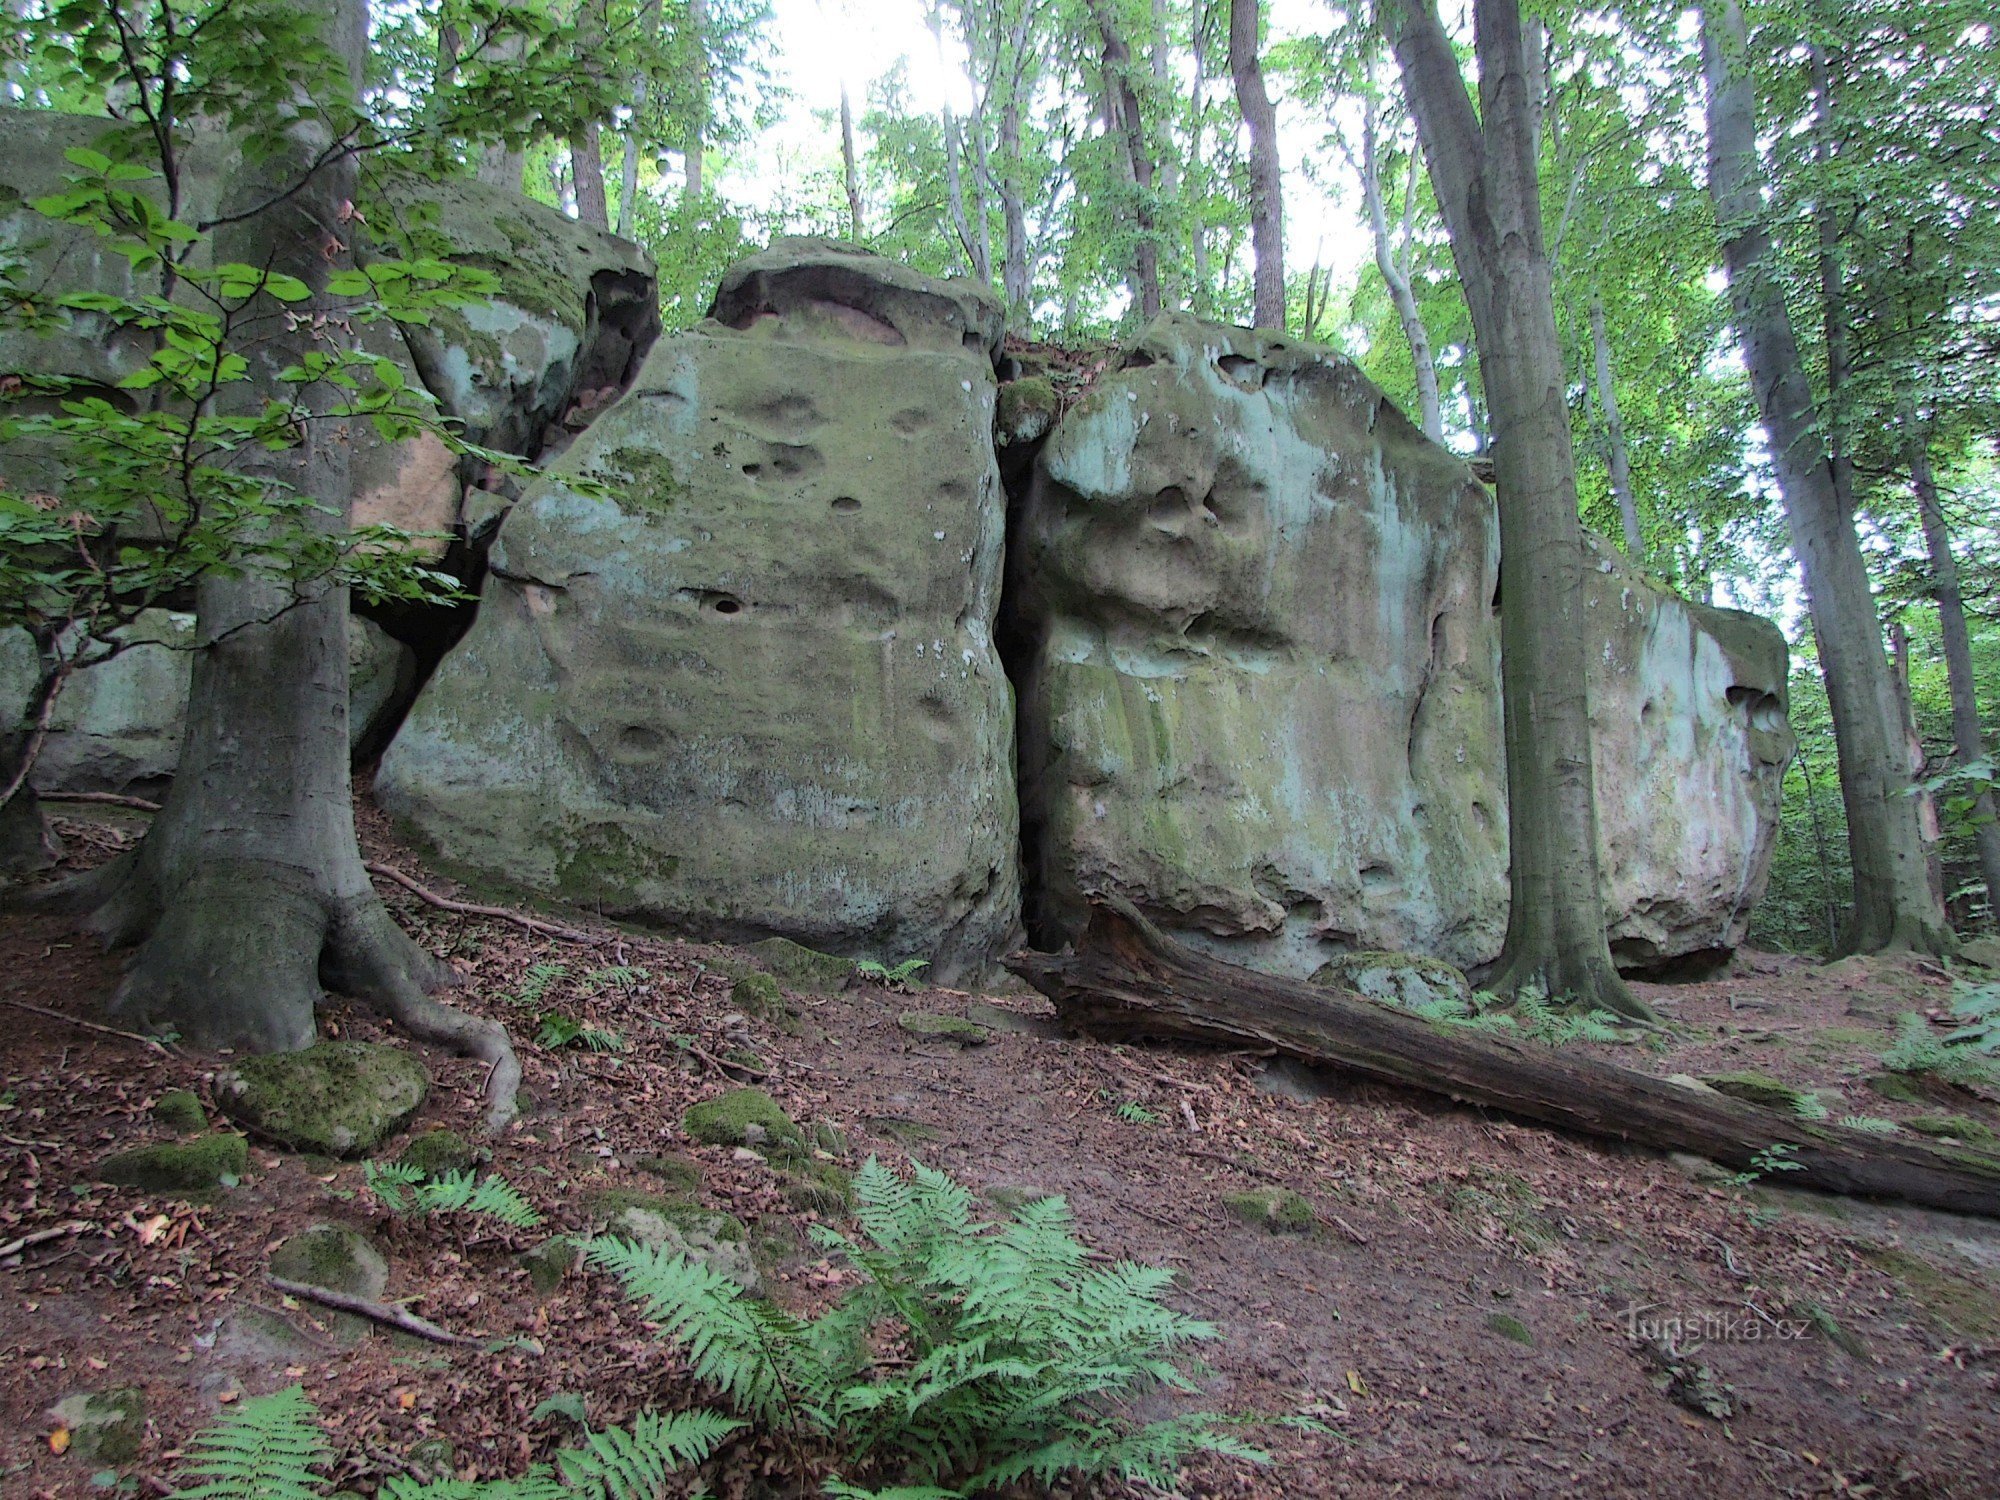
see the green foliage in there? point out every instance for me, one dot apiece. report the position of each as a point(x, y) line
point(558, 1030)
point(268, 1447)
point(897, 977)
point(1134, 1113)
point(406, 1189)
point(535, 984)
point(1978, 1005)
point(1527, 1015)
point(1013, 1347)
point(1918, 1049)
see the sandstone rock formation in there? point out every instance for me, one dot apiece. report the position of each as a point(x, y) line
point(748, 685)
point(1261, 696)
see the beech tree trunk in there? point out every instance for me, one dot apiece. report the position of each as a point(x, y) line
point(1197, 167)
point(1267, 203)
point(1893, 905)
point(691, 153)
point(1484, 169)
point(1968, 737)
point(501, 165)
point(248, 891)
point(850, 174)
point(586, 170)
point(1395, 275)
point(1124, 119)
point(1125, 979)
point(1619, 458)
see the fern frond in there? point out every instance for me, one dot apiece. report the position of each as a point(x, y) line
point(391, 1183)
point(497, 1198)
point(633, 1464)
point(265, 1449)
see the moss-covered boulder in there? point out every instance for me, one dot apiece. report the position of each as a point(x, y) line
point(200, 1165)
point(1405, 979)
point(1510, 1328)
point(805, 512)
point(1276, 1212)
point(680, 1173)
point(437, 1152)
point(803, 968)
point(741, 1117)
point(334, 1257)
point(758, 995)
point(1025, 412)
point(1756, 1088)
point(180, 1111)
point(104, 1427)
point(333, 1098)
point(715, 1239)
point(1961, 1128)
point(928, 1026)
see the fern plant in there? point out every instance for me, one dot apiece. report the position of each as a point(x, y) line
point(895, 977)
point(405, 1189)
point(268, 1447)
point(1917, 1049)
point(970, 1356)
point(535, 984)
point(558, 1030)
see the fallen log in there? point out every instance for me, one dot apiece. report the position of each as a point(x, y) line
point(1125, 979)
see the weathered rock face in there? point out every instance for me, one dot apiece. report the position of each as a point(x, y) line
point(1262, 682)
point(754, 690)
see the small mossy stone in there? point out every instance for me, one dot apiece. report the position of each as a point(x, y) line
point(680, 1173)
point(801, 967)
point(717, 1240)
point(1896, 1087)
point(1510, 1327)
point(931, 1027)
point(1274, 1212)
point(334, 1257)
point(1984, 951)
point(1960, 1128)
point(549, 1262)
point(1025, 411)
point(828, 1138)
point(181, 1112)
point(212, 1161)
point(726, 1119)
point(333, 1098)
point(437, 1152)
point(105, 1427)
point(1405, 979)
point(818, 1187)
point(758, 995)
point(1756, 1088)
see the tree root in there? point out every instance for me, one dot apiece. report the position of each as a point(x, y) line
point(501, 913)
point(388, 1315)
point(152, 1042)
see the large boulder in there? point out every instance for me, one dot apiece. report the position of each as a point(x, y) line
point(753, 689)
point(1262, 694)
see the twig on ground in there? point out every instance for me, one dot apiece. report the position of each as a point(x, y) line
point(471, 909)
point(390, 1316)
point(41, 1237)
point(103, 799)
point(165, 1049)
point(1345, 1228)
point(1230, 1161)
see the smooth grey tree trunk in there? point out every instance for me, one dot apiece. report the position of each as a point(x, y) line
point(248, 891)
point(1483, 168)
point(1123, 117)
point(1620, 460)
point(501, 165)
point(1893, 905)
point(1967, 735)
point(586, 171)
point(1396, 276)
point(691, 153)
point(850, 174)
point(1197, 167)
point(1267, 202)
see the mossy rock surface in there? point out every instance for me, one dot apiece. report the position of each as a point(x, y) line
point(333, 1098)
point(549, 1262)
point(105, 1427)
point(212, 1161)
point(1963, 1305)
point(801, 967)
point(1959, 1128)
point(1025, 411)
point(1898, 1087)
point(715, 1239)
point(758, 994)
point(822, 1187)
point(437, 1152)
point(1405, 979)
point(741, 1117)
point(1274, 1212)
point(682, 1174)
point(181, 1112)
point(1756, 1088)
point(928, 1026)
point(334, 1257)
point(1510, 1327)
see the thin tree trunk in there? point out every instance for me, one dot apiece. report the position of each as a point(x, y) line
point(1125, 119)
point(1832, 291)
point(501, 165)
point(1484, 169)
point(691, 152)
point(850, 175)
point(1172, 289)
point(1197, 167)
point(586, 170)
point(628, 166)
point(1967, 735)
point(1394, 276)
point(249, 889)
point(1267, 203)
point(1893, 907)
point(1614, 435)
point(1015, 277)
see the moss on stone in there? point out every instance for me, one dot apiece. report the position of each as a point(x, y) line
point(1406, 979)
point(1960, 1128)
point(1756, 1088)
point(181, 1112)
point(680, 1173)
point(757, 995)
point(801, 967)
point(817, 1186)
point(333, 1098)
point(613, 1204)
point(931, 1027)
point(210, 1162)
point(1962, 1305)
point(1510, 1327)
point(1896, 1087)
point(1274, 1212)
point(726, 1119)
point(548, 1263)
point(334, 1257)
point(105, 1427)
point(437, 1152)
point(1025, 410)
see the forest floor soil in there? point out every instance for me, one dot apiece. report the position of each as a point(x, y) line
point(1481, 1307)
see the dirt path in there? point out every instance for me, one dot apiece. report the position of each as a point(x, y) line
point(1459, 1317)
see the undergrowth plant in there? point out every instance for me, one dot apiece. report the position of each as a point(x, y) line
point(970, 1356)
point(558, 1030)
point(1963, 1057)
point(405, 1189)
point(896, 977)
point(1528, 1015)
point(269, 1447)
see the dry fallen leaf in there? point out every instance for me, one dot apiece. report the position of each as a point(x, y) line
point(59, 1440)
point(1354, 1383)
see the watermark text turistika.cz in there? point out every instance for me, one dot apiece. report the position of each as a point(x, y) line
point(1679, 1327)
